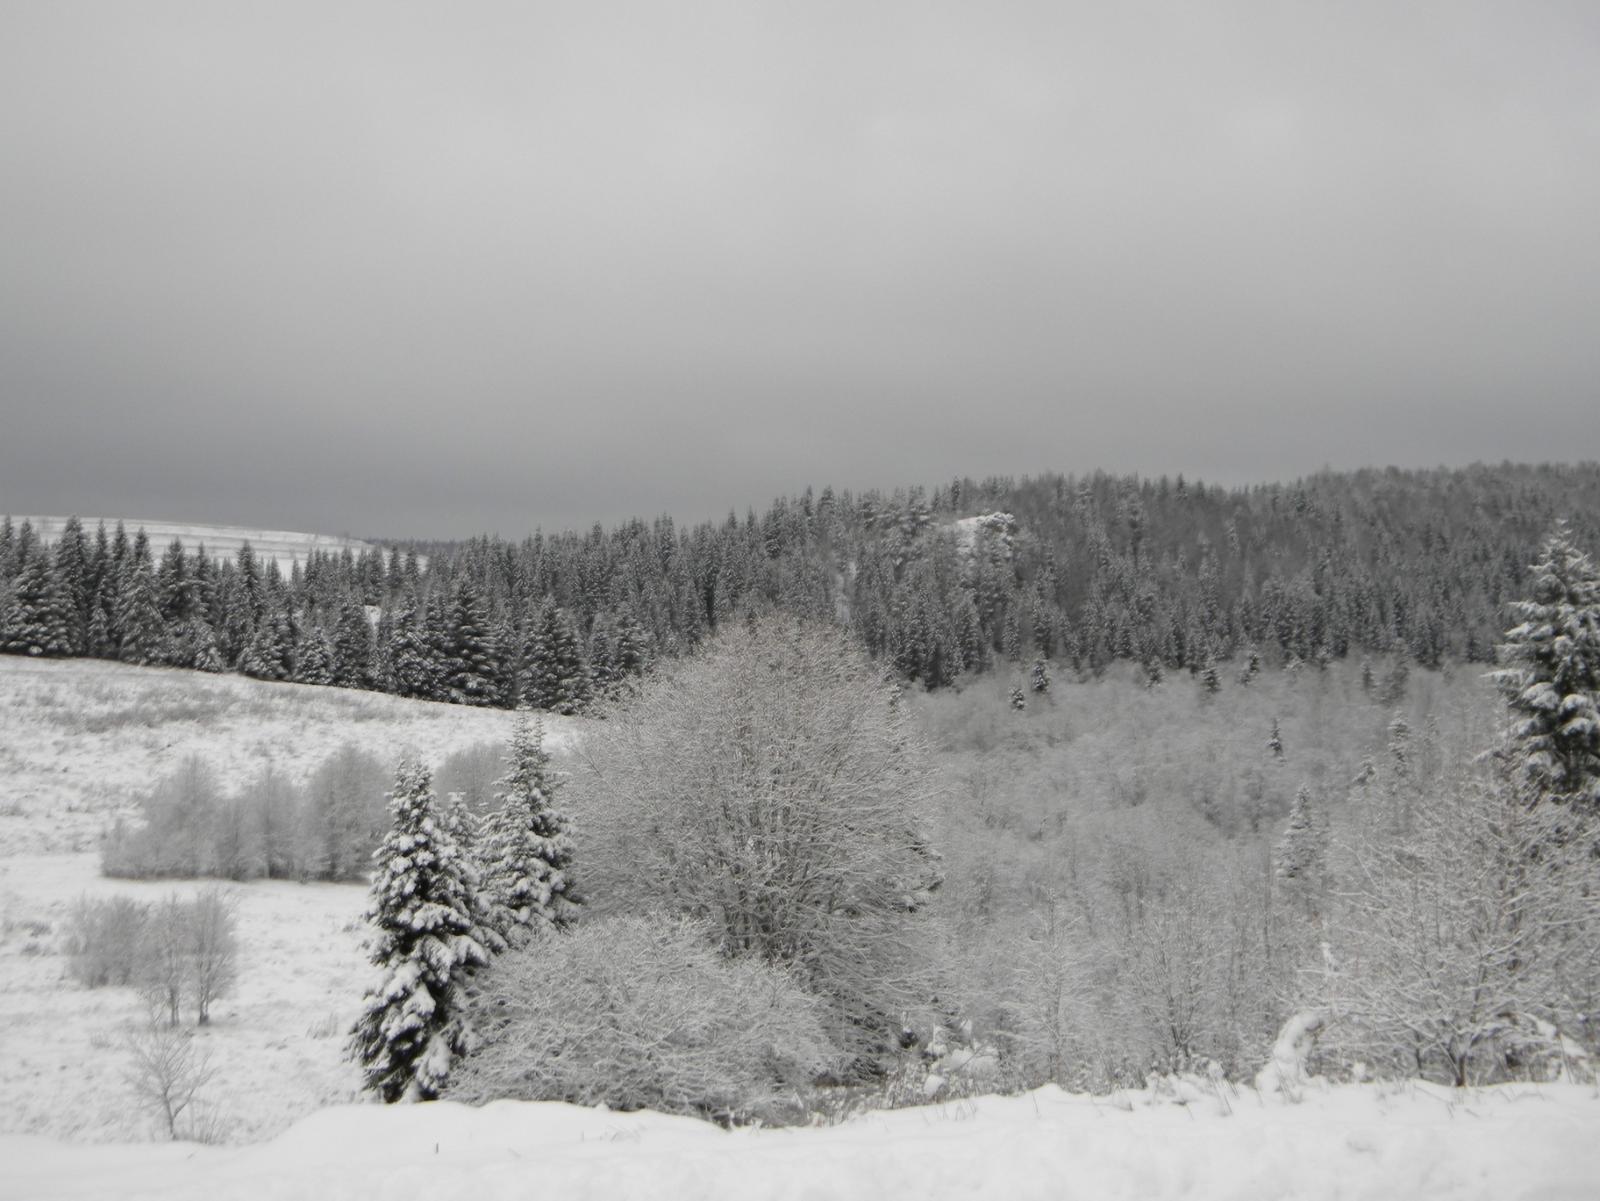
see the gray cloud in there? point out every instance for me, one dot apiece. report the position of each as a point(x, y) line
point(430, 269)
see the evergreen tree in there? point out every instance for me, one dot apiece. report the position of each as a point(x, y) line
point(351, 665)
point(527, 849)
point(41, 622)
point(1275, 740)
point(1298, 859)
point(143, 633)
point(72, 579)
point(473, 664)
point(1551, 678)
point(265, 656)
point(412, 1026)
point(557, 678)
point(1039, 676)
point(313, 657)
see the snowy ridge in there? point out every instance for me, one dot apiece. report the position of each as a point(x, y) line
point(288, 547)
point(1367, 1141)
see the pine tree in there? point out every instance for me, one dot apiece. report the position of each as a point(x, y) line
point(351, 665)
point(40, 621)
point(466, 830)
point(1551, 678)
point(557, 678)
point(412, 1024)
point(1039, 676)
point(1299, 856)
point(527, 850)
point(1275, 740)
point(72, 579)
point(313, 657)
point(265, 656)
point(473, 665)
point(143, 632)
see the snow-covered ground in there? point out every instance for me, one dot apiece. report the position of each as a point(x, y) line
point(1406, 1144)
point(275, 1041)
point(80, 738)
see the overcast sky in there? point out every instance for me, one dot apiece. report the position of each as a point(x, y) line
point(400, 269)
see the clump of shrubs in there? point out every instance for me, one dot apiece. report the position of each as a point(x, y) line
point(174, 952)
point(641, 1012)
point(193, 827)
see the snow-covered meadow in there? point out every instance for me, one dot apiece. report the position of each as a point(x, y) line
point(81, 739)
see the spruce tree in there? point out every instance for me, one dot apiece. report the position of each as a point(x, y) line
point(41, 622)
point(352, 645)
point(1298, 859)
point(473, 666)
point(265, 657)
point(527, 849)
point(1551, 678)
point(143, 633)
point(72, 579)
point(313, 657)
point(412, 1025)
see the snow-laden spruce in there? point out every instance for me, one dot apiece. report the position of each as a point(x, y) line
point(411, 1026)
point(1551, 677)
point(527, 851)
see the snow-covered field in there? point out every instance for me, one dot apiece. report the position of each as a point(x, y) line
point(288, 547)
point(1407, 1144)
point(80, 739)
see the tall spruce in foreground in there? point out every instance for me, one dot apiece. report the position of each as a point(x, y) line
point(411, 1027)
point(1551, 678)
point(528, 853)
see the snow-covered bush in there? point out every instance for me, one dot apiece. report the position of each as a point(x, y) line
point(192, 827)
point(103, 940)
point(774, 788)
point(1465, 947)
point(643, 1013)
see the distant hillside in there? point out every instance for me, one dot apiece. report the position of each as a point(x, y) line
point(972, 576)
point(288, 547)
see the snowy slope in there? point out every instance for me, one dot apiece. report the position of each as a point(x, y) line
point(288, 547)
point(1347, 1143)
point(81, 738)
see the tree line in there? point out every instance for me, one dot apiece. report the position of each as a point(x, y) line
point(972, 576)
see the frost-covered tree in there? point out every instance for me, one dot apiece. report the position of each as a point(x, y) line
point(1466, 948)
point(1551, 678)
point(143, 630)
point(41, 623)
point(527, 850)
point(411, 1027)
point(313, 658)
point(1298, 859)
point(773, 787)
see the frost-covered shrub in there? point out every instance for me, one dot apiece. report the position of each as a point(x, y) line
point(774, 787)
point(641, 1012)
point(325, 830)
point(104, 939)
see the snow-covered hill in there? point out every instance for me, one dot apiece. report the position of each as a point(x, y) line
point(81, 738)
point(288, 547)
point(1349, 1143)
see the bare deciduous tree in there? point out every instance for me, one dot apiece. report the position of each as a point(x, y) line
point(166, 1069)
